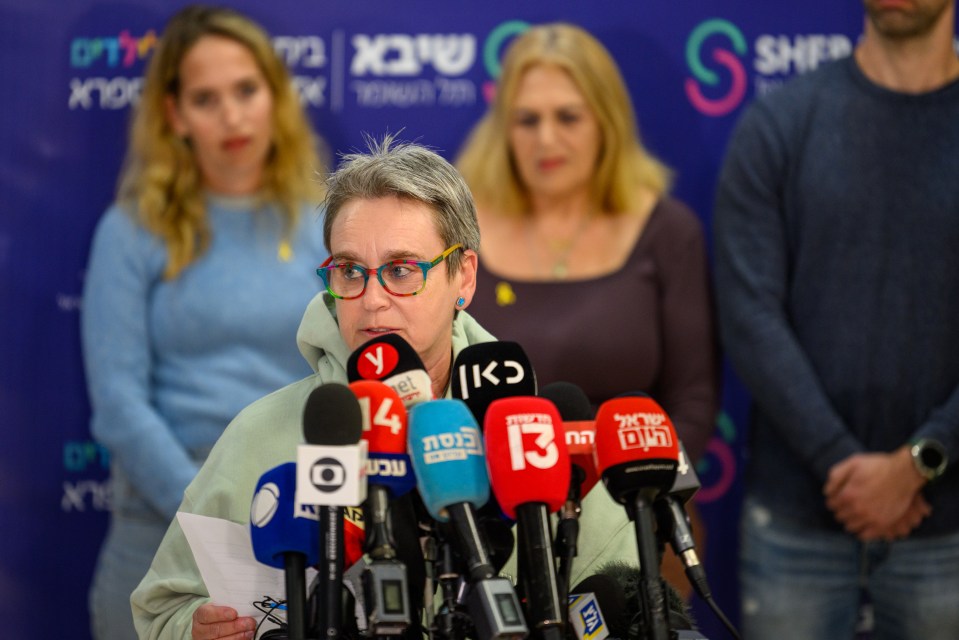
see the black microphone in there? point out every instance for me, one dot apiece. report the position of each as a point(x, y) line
point(673, 522)
point(331, 474)
point(485, 372)
point(488, 371)
point(598, 609)
point(618, 605)
point(573, 406)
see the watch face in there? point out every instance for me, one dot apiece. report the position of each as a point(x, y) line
point(930, 458)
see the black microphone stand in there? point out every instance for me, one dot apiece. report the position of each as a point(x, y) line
point(386, 595)
point(567, 533)
point(295, 565)
point(449, 620)
point(329, 585)
point(669, 513)
point(544, 607)
point(567, 537)
point(429, 546)
point(653, 599)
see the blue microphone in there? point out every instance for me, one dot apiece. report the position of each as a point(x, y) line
point(446, 450)
point(285, 537)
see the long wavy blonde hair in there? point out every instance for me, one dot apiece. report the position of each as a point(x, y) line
point(160, 179)
point(624, 166)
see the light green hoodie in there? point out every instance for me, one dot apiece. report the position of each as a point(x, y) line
point(266, 434)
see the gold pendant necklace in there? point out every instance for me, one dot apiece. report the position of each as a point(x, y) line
point(560, 268)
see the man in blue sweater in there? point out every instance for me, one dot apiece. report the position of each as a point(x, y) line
point(837, 278)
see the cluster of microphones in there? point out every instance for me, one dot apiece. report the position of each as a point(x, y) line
point(409, 506)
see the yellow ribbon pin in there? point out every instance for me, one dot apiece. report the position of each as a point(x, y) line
point(504, 294)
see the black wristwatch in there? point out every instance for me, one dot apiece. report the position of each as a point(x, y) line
point(929, 456)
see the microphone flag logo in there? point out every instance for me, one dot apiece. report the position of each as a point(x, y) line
point(331, 476)
point(452, 445)
point(586, 617)
point(511, 372)
point(265, 503)
point(545, 454)
point(327, 475)
point(643, 430)
point(377, 360)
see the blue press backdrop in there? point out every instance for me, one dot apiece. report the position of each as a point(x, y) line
point(69, 74)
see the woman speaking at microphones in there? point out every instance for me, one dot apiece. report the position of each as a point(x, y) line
point(402, 234)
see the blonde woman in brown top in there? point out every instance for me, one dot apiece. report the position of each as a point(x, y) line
point(586, 260)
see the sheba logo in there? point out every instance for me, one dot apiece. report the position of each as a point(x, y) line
point(731, 96)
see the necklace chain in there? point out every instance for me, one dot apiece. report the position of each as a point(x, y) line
point(560, 268)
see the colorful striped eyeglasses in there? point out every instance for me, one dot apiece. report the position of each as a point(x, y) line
point(348, 280)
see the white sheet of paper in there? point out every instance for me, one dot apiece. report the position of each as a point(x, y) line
point(224, 554)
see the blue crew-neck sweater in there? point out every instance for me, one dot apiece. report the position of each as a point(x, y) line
point(837, 281)
point(170, 362)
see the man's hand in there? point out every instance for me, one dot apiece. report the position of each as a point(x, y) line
point(917, 510)
point(876, 495)
point(211, 621)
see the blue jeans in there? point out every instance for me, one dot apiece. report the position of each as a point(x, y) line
point(803, 583)
point(124, 559)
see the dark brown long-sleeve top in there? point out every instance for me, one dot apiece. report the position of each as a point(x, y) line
point(646, 327)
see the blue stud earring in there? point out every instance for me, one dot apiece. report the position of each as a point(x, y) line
point(460, 302)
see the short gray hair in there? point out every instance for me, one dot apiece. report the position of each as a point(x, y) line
point(411, 172)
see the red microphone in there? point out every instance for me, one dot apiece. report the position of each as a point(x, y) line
point(529, 470)
point(637, 451)
point(384, 429)
point(384, 416)
point(386, 586)
point(527, 454)
point(388, 468)
point(581, 441)
point(637, 454)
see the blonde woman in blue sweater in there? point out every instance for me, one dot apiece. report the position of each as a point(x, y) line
point(197, 278)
